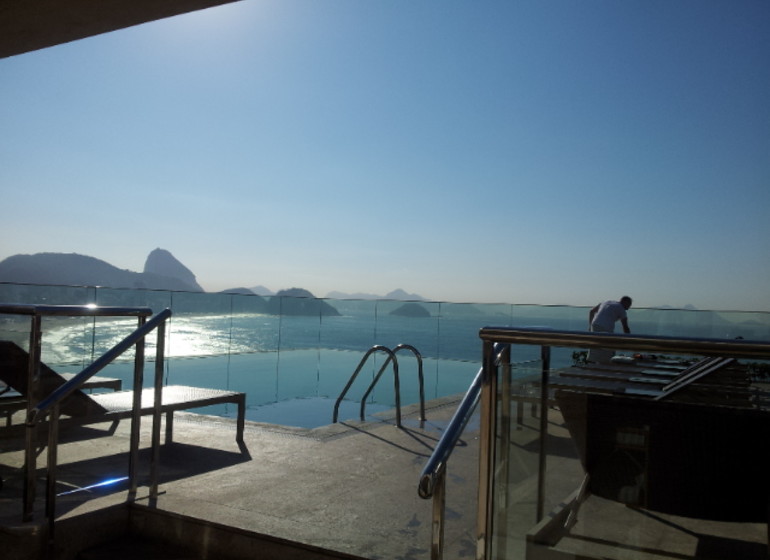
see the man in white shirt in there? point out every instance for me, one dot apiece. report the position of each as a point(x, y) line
point(602, 318)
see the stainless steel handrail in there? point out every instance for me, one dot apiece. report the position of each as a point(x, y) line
point(53, 401)
point(36, 312)
point(547, 338)
point(727, 348)
point(89, 310)
point(77, 381)
point(391, 358)
point(50, 405)
point(420, 379)
point(432, 483)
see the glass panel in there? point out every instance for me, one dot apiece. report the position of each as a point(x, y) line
point(676, 475)
point(285, 348)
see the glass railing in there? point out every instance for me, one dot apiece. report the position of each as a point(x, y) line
point(278, 348)
point(658, 452)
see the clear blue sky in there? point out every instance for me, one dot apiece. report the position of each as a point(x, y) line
point(499, 151)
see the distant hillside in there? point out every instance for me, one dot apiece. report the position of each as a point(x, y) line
point(162, 271)
point(262, 291)
point(398, 295)
point(297, 301)
point(162, 263)
point(239, 291)
point(71, 269)
point(411, 310)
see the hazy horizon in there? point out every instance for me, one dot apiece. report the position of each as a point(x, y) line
point(552, 152)
point(405, 295)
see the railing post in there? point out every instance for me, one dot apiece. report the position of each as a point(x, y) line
point(53, 448)
point(156, 415)
point(487, 431)
point(136, 414)
point(501, 466)
point(437, 526)
point(33, 377)
point(545, 355)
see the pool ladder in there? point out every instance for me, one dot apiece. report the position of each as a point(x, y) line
point(390, 360)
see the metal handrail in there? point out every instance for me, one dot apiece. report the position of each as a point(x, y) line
point(547, 338)
point(77, 381)
point(451, 435)
point(89, 310)
point(727, 348)
point(36, 312)
point(50, 405)
point(53, 401)
point(420, 379)
point(391, 358)
point(432, 483)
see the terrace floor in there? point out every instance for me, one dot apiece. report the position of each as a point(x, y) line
point(349, 487)
point(346, 491)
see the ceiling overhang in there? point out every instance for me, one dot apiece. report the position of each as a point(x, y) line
point(29, 25)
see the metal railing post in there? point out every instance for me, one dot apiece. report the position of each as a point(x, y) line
point(136, 414)
point(501, 467)
point(53, 448)
point(487, 430)
point(30, 459)
point(439, 504)
point(545, 356)
point(156, 415)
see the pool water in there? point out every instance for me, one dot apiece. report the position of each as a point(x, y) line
point(299, 387)
point(305, 412)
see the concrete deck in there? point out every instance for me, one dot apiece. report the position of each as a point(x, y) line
point(349, 487)
point(345, 491)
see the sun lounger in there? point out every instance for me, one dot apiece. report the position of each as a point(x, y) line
point(11, 401)
point(82, 408)
point(118, 405)
point(97, 382)
point(13, 372)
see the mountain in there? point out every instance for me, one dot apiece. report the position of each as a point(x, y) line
point(72, 269)
point(411, 309)
point(239, 291)
point(401, 295)
point(162, 263)
point(398, 295)
point(297, 301)
point(162, 271)
point(262, 291)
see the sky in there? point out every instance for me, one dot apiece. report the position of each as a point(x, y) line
point(547, 152)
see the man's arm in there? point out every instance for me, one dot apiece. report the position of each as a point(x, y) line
point(591, 315)
point(624, 322)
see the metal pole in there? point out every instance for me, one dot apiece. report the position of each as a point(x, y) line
point(136, 415)
point(156, 415)
point(33, 376)
point(53, 445)
point(502, 459)
point(545, 355)
point(487, 431)
point(439, 505)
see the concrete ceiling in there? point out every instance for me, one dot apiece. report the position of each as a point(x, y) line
point(29, 25)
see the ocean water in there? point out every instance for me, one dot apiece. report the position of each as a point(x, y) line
point(287, 364)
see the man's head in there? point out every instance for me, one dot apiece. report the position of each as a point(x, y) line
point(626, 302)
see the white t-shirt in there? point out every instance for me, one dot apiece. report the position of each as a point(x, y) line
point(609, 312)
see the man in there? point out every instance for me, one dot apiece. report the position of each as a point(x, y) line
point(602, 318)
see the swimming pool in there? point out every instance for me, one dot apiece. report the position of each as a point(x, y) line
point(300, 387)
